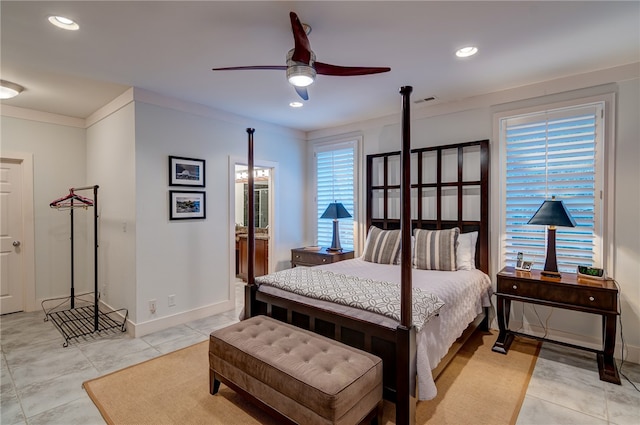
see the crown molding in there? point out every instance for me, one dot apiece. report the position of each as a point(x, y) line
point(45, 117)
point(560, 85)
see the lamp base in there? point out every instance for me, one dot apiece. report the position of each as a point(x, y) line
point(546, 273)
point(335, 242)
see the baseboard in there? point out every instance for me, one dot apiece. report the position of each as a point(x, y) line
point(161, 323)
point(141, 329)
point(631, 353)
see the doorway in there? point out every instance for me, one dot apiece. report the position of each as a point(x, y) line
point(17, 236)
point(262, 197)
point(266, 217)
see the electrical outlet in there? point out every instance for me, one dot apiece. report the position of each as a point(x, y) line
point(152, 306)
point(172, 300)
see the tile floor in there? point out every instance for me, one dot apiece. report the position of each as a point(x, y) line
point(40, 381)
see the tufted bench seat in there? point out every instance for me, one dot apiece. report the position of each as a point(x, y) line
point(299, 376)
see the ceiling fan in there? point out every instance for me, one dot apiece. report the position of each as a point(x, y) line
point(301, 64)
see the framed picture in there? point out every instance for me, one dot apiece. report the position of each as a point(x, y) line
point(525, 266)
point(187, 205)
point(186, 171)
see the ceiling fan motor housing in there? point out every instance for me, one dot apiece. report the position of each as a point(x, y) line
point(300, 74)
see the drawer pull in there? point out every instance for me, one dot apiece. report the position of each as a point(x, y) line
point(324, 260)
point(515, 286)
point(591, 299)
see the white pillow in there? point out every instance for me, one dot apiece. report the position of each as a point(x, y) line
point(466, 252)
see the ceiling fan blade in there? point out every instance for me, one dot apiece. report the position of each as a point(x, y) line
point(345, 71)
point(236, 68)
point(302, 48)
point(302, 92)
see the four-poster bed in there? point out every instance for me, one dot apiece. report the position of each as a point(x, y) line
point(389, 208)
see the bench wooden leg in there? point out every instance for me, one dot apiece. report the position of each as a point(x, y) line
point(375, 416)
point(214, 384)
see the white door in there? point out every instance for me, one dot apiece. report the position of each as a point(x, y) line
point(11, 270)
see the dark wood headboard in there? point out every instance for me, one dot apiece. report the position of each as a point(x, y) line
point(451, 182)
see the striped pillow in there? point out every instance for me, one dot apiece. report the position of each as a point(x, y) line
point(435, 249)
point(382, 246)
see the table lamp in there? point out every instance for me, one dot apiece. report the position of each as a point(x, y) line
point(335, 210)
point(552, 213)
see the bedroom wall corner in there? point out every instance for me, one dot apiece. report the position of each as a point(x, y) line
point(111, 166)
point(626, 269)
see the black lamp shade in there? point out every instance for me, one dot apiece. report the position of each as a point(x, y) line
point(336, 210)
point(552, 213)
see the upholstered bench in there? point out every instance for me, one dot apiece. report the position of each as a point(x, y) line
point(296, 375)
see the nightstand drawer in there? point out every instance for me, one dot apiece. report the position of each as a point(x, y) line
point(562, 294)
point(306, 257)
point(310, 257)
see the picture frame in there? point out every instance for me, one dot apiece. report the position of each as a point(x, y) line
point(527, 265)
point(186, 171)
point(187, 205)
point(524, 266)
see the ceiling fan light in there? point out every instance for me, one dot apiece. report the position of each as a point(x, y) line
point(9, 89)
point(301, 75)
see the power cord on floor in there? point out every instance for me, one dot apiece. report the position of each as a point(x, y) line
point(624, 345)
point(544, 326)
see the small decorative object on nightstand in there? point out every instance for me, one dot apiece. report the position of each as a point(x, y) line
point(312, 256)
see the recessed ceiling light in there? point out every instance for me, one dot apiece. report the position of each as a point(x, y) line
point(64, 23)
point(465, 52)
point(9, 89)
point(296, 104)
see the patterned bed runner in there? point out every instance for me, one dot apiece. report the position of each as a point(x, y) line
point(365, 294)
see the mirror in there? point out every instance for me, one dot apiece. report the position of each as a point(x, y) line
point(261, 197)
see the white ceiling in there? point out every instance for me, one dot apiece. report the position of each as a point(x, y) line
point(170, 47)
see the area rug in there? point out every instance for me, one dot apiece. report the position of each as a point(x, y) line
point(477, 387)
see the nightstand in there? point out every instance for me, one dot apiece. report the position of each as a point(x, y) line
point(308, 257)
point(568, 292)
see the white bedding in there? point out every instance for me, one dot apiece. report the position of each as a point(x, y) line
point(464, 292)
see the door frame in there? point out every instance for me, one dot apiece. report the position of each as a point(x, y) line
point(28, 227)
point(273, 175)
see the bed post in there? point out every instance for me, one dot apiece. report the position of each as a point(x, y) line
point(405, 347)
point(249, 296)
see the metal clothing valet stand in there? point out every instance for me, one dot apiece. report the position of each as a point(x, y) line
point(78, 315)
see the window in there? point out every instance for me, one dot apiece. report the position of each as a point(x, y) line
point(557, 152)
point(335, 182)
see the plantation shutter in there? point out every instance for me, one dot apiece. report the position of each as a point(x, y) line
point(335, 183)
point(557, 153)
